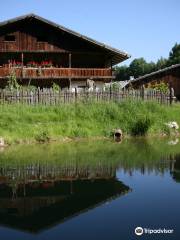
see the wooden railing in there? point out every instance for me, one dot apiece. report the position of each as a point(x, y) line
point(56, 72)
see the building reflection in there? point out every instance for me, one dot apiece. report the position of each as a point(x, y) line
point(175, 168)
point(33, 198)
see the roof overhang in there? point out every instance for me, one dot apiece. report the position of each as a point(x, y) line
point(153, 75)
point(117, 56)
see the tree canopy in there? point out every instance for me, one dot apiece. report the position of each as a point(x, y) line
point(139, 67)
point(174, 55)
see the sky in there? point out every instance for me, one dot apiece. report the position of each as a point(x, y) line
point(143, 28)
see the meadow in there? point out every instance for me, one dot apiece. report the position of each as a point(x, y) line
point(23, 123)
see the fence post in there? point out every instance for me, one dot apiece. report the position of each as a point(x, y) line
point(142, 92)
point(1, 96)
point(171, 94)
point(87, 95)
point(38, 94)
point(110, 91)
point(75, 94)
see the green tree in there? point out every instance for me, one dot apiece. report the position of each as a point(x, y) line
point(174, 55)
point(138, 67)
point(122, 73)
point(161, 63)
point(150, 67)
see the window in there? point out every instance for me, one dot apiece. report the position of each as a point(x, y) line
point(41, 38)
point(10, 38)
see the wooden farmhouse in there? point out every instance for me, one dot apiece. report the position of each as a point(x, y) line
point(39, 52)
point(169, 75)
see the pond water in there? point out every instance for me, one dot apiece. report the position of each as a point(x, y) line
point(90, 190)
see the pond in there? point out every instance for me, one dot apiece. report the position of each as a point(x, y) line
point(91, 190)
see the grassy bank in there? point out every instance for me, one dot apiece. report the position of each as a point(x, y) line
point(42, 123)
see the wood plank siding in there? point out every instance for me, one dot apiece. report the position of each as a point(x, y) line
point(169, 75)
point(32, 41)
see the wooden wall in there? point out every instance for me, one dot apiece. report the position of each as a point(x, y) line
point(30, 32)
point(34, 36)
point(26, 42)
point(172, 77)
point(37, 37)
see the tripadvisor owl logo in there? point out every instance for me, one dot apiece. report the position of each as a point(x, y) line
point(139, 231)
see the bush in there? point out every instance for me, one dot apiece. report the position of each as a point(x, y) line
point(140, 127)
point(163, 87)
point(12, 82)
point(42, 137)
point(55, 87)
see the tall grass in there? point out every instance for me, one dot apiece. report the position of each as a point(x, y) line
point(42, 123)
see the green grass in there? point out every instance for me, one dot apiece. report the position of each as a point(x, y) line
point(44, 123)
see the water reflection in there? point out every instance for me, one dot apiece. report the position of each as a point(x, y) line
point(41, 186)
point(35, 197)
point(175, 168)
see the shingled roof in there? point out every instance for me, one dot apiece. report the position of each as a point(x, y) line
point(117, 55)
point(153, 74)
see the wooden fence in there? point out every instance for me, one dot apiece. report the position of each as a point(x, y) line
point(51, 97)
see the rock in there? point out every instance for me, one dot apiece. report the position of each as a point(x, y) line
point(173, 125)
point(2, 142)
point(173, 142)
point(117, 133)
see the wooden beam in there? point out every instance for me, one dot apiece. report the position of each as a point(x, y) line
point(65, 77)
point(33, 51)
point(70, 65)
point(22, 59)
point(111, 68)
point(70, 60)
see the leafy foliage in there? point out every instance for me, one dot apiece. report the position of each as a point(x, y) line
point(55, 87)
point(174, 56)
point(161, 63)
point(12, 82)
point(163, 87)
point(122, 73)
point(139, 67)
point(141, 126)
point(42, 137)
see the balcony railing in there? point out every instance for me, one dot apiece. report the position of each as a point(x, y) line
point(56, 72)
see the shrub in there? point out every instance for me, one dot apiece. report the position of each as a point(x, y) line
point(163, 87)
point(55, 87)
point(12, 82)
point(141, 126)
point(42, 137)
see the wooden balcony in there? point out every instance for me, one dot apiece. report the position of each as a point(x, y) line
point(56, 73)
